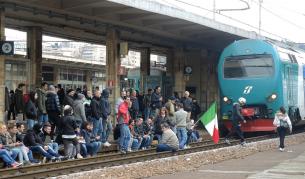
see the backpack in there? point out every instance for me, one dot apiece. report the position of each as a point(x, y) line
point(283, 123)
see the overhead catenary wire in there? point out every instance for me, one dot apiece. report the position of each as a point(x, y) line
point(279, 16)
point(231, 18)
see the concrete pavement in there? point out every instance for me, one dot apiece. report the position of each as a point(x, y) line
point(268, 164)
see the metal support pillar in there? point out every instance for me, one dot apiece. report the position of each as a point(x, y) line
point(178, 67)
point(34, 39)
point(2, 70)
point(145, 66)
point(112, 65)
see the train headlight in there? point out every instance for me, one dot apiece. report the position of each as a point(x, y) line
point(272, 97)
point(226, 100)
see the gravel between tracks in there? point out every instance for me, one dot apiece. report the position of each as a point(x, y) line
point(186, 162)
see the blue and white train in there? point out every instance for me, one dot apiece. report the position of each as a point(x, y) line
point(268, 74)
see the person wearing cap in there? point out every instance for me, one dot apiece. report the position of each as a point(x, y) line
point(237, 118)
point(69, 98)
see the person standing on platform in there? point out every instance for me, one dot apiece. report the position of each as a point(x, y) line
point(237, 118)
point(69, 98)
point(156, 101)
point(19, 103)
point(31, 110)
point(106, 111)
point(12, 104)
point(282, 122)
point(181, 120)
point(53, 108)
point(187, 104)
point(147, 104)
point(97, 114)
point(123, 119)
point(41, 100)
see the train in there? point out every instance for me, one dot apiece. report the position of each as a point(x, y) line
point(268, 74)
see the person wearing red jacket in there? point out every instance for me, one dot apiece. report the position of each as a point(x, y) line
point(123, 118)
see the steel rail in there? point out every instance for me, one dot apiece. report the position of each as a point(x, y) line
point(78, 165)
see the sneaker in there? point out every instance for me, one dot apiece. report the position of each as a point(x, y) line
point(227, 141)
point(16, 165)
point(79, 156)
point(243, 143)
point(187, 147)
point(44, 160)
point(27, 163)
point(123, 151)
point(282, 149)
point(106, 144)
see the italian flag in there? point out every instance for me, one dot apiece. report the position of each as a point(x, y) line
point(209, 120)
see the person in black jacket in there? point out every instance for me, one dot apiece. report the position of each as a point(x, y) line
point(97, 114)
point(19, 103)
point(69, 98)
point(53, 108)
point(106, 111)
point(69, 127)
point(11, 110)
point(237, 118)
point(187, 104)
point(134, 110)
point(31, 110)
point(35, 143)
point(156, 101)
point(61, 94)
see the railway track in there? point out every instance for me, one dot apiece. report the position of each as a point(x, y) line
point(107, 160)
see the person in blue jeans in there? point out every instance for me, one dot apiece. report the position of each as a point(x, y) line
point(97, 114)
point(35, 144)
point(92, 143)
point(181, 121)
point(123, 121)
point(169, 141)
point(41, 101)
point(31, 110)
point(48, 138)
point(6, 157)
point(106, 111)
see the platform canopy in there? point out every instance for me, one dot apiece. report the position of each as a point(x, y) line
point(141, 21)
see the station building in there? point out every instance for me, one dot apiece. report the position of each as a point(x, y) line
point(190, 44)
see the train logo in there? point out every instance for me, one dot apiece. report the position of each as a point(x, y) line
point(248, 89)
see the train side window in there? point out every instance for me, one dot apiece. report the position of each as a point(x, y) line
point(284, 56)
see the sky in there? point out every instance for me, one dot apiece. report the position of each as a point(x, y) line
point(280, 19)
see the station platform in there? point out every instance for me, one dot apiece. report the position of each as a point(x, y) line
point(263, 165)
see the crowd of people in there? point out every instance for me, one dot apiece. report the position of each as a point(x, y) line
point(80, 122)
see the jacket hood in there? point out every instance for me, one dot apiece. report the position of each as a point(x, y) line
point(105, 93)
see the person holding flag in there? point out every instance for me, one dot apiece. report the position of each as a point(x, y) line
point(237, 118)
point(210, 122)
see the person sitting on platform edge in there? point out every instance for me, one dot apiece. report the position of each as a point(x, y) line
point(169, 140)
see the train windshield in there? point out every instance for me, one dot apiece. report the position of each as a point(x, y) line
point(248, 66)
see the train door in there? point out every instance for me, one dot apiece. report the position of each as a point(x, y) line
point(289, 84)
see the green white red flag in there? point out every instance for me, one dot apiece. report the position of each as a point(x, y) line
point(210, 122)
